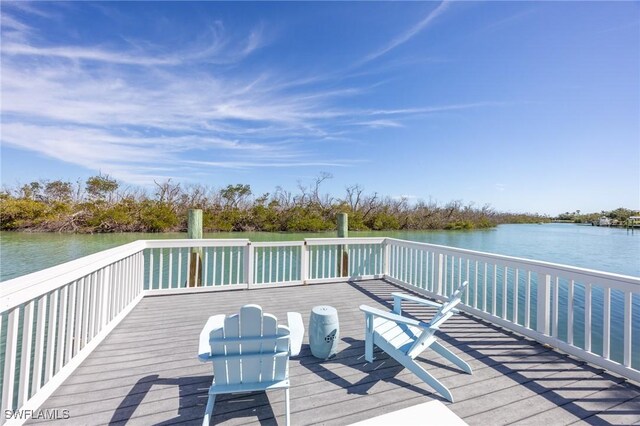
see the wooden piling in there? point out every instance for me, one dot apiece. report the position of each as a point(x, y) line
point(343, 232)
point(194, 232)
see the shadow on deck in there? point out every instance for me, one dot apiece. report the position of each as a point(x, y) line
point(147, 372)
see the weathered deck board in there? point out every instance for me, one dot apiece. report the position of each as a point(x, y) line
point(146, 371)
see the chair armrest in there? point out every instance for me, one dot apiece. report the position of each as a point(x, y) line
point(415, 299)
point(204, 348)
point(296, 326)
point(392, 317)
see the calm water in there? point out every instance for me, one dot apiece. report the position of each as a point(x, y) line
point(607, 249)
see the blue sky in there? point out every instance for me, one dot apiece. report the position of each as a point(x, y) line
point(526, 106)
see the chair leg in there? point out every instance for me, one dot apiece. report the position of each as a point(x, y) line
point(446, 353)
point(416, 369)
point(208, 412)
point(287, 409)
point(368, 339)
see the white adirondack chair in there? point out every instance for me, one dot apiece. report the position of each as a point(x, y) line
point(250, 352)
point(405, 338)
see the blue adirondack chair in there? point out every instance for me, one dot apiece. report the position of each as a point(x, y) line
point(405, 338)
point(249, 351)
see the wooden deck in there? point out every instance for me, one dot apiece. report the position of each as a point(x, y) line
point(147, 372)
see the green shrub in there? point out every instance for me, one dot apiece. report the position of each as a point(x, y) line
point(157, 217)
point(305, 220)
point(384, 221)
point(21, 213)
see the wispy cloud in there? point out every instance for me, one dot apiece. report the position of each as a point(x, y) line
point(377, 124)
point(144, 112)
point(407, 35)
point(79, 54)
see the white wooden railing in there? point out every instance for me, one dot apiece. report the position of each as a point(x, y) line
point(52, 319)
point(590, 314)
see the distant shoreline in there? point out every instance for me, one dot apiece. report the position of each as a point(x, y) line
point(102, 206)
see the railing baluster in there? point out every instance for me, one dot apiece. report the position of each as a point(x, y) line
point(459, 273)
point(222, 265)
point(406, 265)
point(587, 317)
point(62, 328)
point(188, 271)
point(171, 269)
point(238, 262)
point(527, 301)
point(304, 262)
point(376, 254)
point(79, 314)
point(626, 358)
point(505, 292)
point(95, 291)
point(554, 307)
point(38, 358)
point(214, 266)
point(151, 271)
point(10, 356)
point(485, 288)
point(71, 320)
point(494, 308)
point(395, 262)
point(422, 269)
point(179, 283)
point(475, 285)
point(570, 295)
point(161, 268)
point(263, 250)
point(606, 323)
point(51, 335)
point(278, 265)
point(544, 293)
point(516, 284)
point(290, 249)
point(104, 297)
point(416, 269)
point(116, 290)
point(410, 271)
point(466, 296)
point(205, 278)
point(25, 362)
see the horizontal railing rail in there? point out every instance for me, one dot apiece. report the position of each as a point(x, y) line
point(51, 320)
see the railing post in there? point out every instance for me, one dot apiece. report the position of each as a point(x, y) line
point(439, 266)
point(343, 232)
point(304, 263)
point(194, 231)
point(248, 263)
point(543, 303)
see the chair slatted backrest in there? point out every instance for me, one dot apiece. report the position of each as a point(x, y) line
point(445, 312)
point(250, 348)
